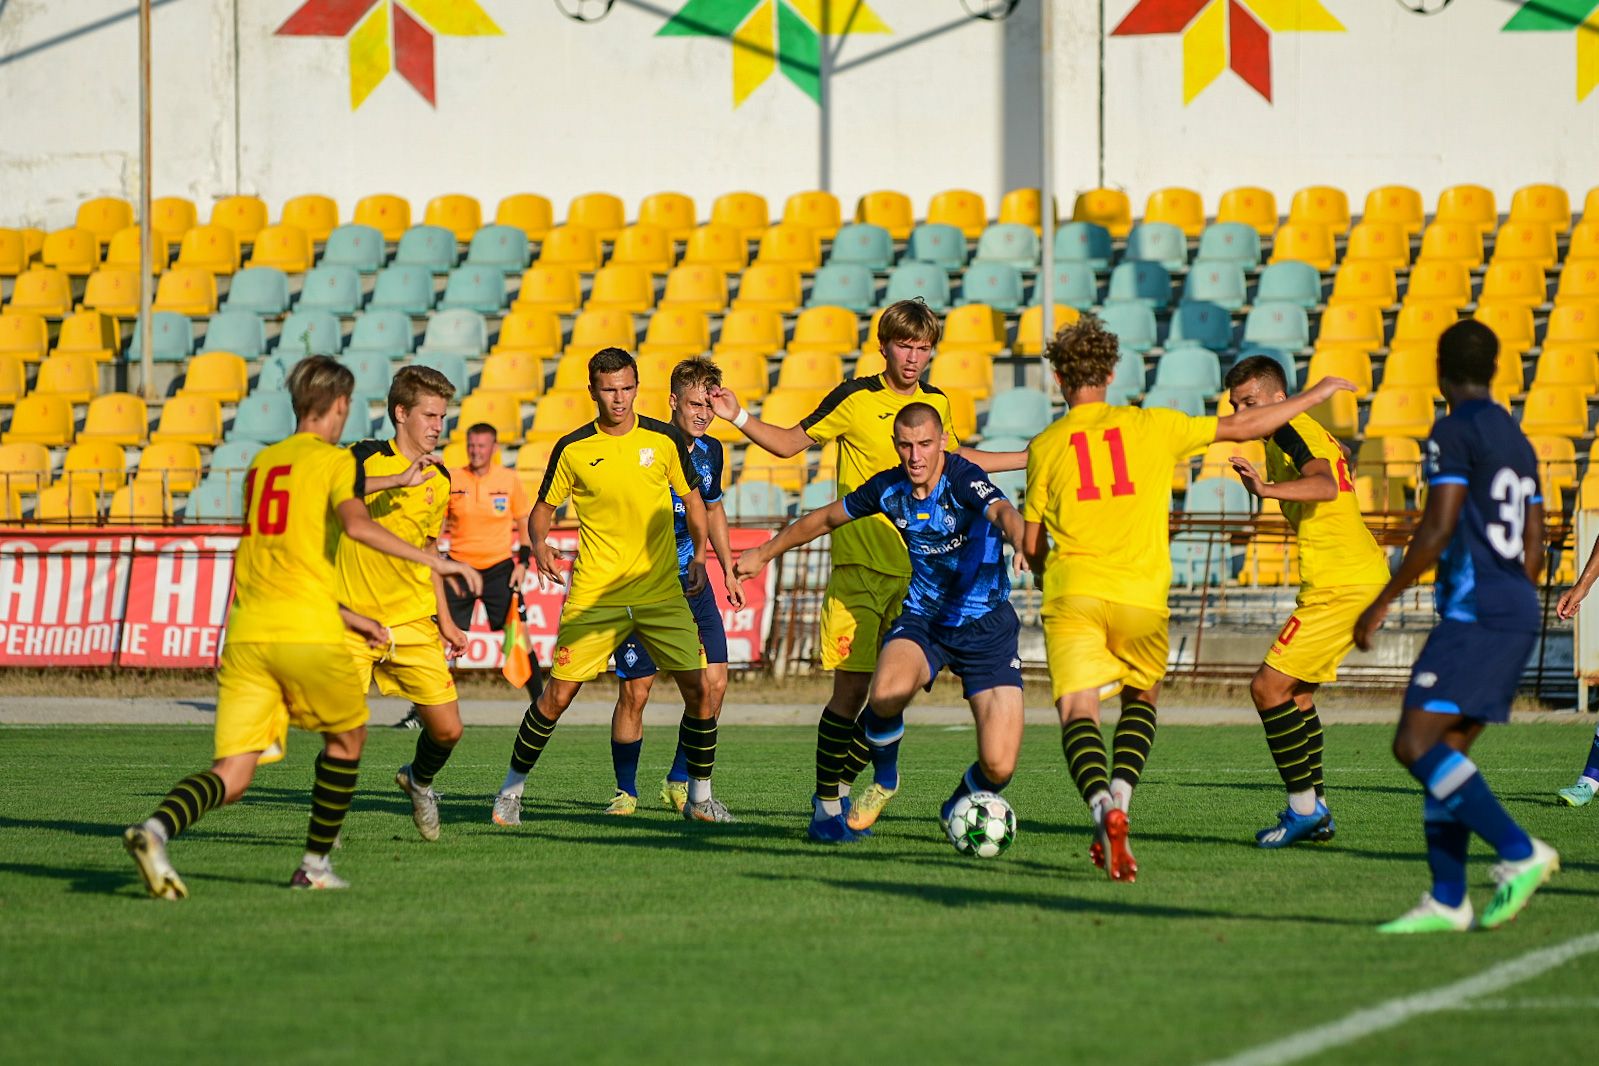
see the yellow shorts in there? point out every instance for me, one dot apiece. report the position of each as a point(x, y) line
point(857, 609)
point(1094, 644)
point(589, 635)
point(263, 688)
point(1320, 632)
point(412, 667)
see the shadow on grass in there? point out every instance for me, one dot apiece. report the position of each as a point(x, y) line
point(114, 882)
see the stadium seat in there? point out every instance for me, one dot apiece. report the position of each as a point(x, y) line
point(1511, 323)
point(529, 212)
point(1216, 462)
point(480, 290)
point(1458, 242)
point(599, 212)
point(13, 378)
point(1398, 205)
point(1576, 323)
point(1158, 242)
point(1074, 285)
point(286, 247)
point(1509, 378)
point(744, 212)
point(1584, 242)
point(1305, 242)
point(622, 287)
point(549, 290)
point(389, 215)
point(407, 288)
point(1399, 412)
point(972, 327)
point(785, 407)
point(962, 413)
point(460, 214)
point(373, 370)
point(517, 374)
point(810, 370)
point(41, 291)
point(935, 243)
point(73, 251)
point(1384, 244)
point(501, 248)
point(124, 251)
point(825, 330)
point(677, 333)
point(1578, 284)
point(316, 215)
point(1277, 325)
point(910, 281)
point(140, 503)
point(1019, 412)
point(1083, 242)
point(1108, 208)
point(174, 466)
point(210, 248)
point(1526, 242)
point(963, 373)
point(1179, 207)
point(103, 216)
point(118, 417)
point(1289, 282)
point(326, 288)
point(219, 374)
point(1189, 401)
point(1365, 283)
point(498, 409)
point(862, 244)
point(310, 333)
point(759, 500)
point(1007, 242)
point(1514, 282)
point(74, 376)
point(239, 332)
point(536, 333)
point(1423, 322)
point(1545, 204)
point(744, 371)
point(1396, 459)
point(1446, 283)
point(560, 412)
point(67, 502)
point(1557, 461)
point(431, 248)
point(219, 497)
point(459, 332)
point(1199, 322)
point(187, 291)
point(1568, 365)
point(1411, 366)
point(1321, 205)
point(601, 328)
point(171, 338)
point(1468, 203)
point(172, 217)
point(869, 363)
point(888, 209)
point(24, 335)
point(246, 216)
point(997, 285)
point(263, 416)
point(1217, 281)
point(1030, 328)
point(41, 418)
point(844, 285)
point(1249, 206)
point(264, 290)
point(1024, 207)
point(758, 329)
point(960, 208)
point(574, 247)
point(672, 213)
point(113, 291)
point(1357, 324)
point(355, 245)
point(1229, 242)
point(1339, 415)
point(655, 376)
point(532, 459)
point(791, 244)
point(697, 287)
point(1133, 324)
point(24, 468)
point(1353, 363)
point(644, 246)
point(1189, 368)
point(777, 286)
point(14, 255)
point(1147, 283)
point(1555, 411)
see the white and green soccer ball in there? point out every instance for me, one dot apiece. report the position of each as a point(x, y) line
point(981, 825)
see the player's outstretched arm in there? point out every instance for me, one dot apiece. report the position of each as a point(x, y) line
point(1315, 483)
point(694, 517)
point(802, 530)
point(721, 539)
point(376, 634)
point(783, 443)
point(419, 470)
point(359, 527)
point(1572, 598)
point(1035, 547)
point(1427, 545)
point(1008, 520)
point(995, 462)
point(1253, 423)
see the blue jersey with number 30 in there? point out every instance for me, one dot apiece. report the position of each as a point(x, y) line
point(1481, 577)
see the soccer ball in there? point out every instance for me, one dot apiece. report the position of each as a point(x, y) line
point(981, 825)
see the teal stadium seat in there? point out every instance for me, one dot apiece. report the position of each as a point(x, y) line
point(1230, 242)
point(262, 290)
point(319, 329)
point(451, 364)
point(263, 416)
point(1130, 368)
point(926, 281)
point(1217, 281)
point(1019, 413)
point(373, 370)
point(936, 242)
point(408, 289)
point(474, 288)
point(1075, 286)
point(386, 331)
point(355, 245)
point(1148, 283)
point(1218, 495)
point(1009, 242)
point(457, 332)
point(1198, 322)
point(503, 248)
point(1189, 368)
point(1083, 242)
point(755, 500)
point(330, 288)
point(1189, 401)
point(1133, 324)
point(1290, 281)
point(234, 455)
point(1277, 325)
point(818, 494)
point(217, 498)
point(850, 285)
point(171, 338)
point(358, 426)
point(274, 376)
point(999, 285)
point(1013, 483)
point(863, 244)
point(430, 247)
point(1284, 360)
point(1158, 242)
point(239, 332)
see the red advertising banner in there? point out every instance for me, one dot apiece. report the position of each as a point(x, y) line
point(61, 598)
point(179, 588)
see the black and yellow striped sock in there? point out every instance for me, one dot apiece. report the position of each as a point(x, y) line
point(188, 800)
point(833, 733)
point(531, 737)
point(429, 759)
point(330, 801)
point(1086, 758)
point(697, 737)
point(1285, 736)
point(859, 753)
point(1313, 747)
point(1135, 736)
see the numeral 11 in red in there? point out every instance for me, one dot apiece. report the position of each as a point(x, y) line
point(1121, 484)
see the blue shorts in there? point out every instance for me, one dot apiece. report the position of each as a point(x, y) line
point(1470, 670)
point(982, 653)
point(634, 662)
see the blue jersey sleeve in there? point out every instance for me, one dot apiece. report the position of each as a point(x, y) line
point(1448, 458)
point(868, 499)
point(712, 492)
point(970, 486)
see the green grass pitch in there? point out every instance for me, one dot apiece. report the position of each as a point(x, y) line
point(582, 938)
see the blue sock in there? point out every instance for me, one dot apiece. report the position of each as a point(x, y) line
point(679, 770)
point(1447, 841)
point(883, 734)
point(1453, 780)
point(1592, 769)
point(974, 780)
point(624, 758)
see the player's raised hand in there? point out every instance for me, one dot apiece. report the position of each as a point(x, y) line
point(1324, 388)
point(694, 582)
point(449, 568)
point(1368, 623)
point(1247, 474)
point(748, 565)
point(419, 471)
point(1570, 603)
point(725, 403)
point(454, 640)
point(735, 588)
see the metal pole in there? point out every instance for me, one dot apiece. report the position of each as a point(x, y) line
point(146, 242)
point(1046, 180)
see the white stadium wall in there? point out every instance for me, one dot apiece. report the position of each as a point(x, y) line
point(281, 97)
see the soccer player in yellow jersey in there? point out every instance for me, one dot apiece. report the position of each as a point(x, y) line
point(285, 660)
point(407, 599)
point(871, 570)
point(1341, 570)
point(1099, 486)
point(621, 471)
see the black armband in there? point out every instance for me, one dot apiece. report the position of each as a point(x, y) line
point(524, 555)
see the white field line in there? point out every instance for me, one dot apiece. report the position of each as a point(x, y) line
point(1395, 1012)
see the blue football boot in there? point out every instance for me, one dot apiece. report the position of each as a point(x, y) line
point(1292, 828)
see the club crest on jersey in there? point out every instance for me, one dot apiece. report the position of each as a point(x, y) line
point(630, 657)
point(646, 456)
point(501, 505)
point(845, 642)
point(427, 495)
point(563, 656)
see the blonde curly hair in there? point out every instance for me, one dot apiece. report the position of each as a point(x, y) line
point(1084, 354)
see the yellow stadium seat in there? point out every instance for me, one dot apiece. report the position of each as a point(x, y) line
point(32, 242)
point(1569, 365)
point(73, 251)
point(1269, 561)
point(871, 341)
point(41, 291)
point(172, 217)
point(548, 289)
point(810, 370)
point(1509, 377)
point(964, 371)
point(529, 332)
point(212, 248)
point(571, 246)
point(176, 466)
point(1584, 242)
point(744, 372)
point(775, 286)
point(677, 333)
point(67, 502)
point(889, 209)
point(602, 328)
point(501, 410)
point(24, 467)
point(1400, 412)
point(315, 214)
point(1396, 204)
point(1457, 242)
point(220, 374)
point(559, 412)
point(1557, 461)
point(1504, 394)
point(785, 407)
point(960, 208)
point(521, 374)
point(1251, 206)
point(1396, 459)
point(532, 459)
point(1217, 458)
point(196, 419)
point(99, 464)
point(246, 216)
point(599, 212)
point(1423, 322)
point(671, 212)
point(1546, 204)
point(1555, 411)
point(1526, 242)
point(1307, 242)
point(621, 287)
point(655, 371)
point(24, 335)
point(1109, 208)
point(1588, 494)
point(695, 287)
point(1351, 324)
point(1379, 495)
point(462, 215)
point(1367, 283)
point(790, 244)
point(644, 245)
point(717, 245)
point(1412, 365)
point(286, 247)
point(1514, 282)
point(1468, 203)
point(571, 372)
point(962, 413)
point(1321, 204)
point(119, 417)
point(124, 251)
point(786, 473)
point(1183, 208)
point(817, 209)
point(1579, 283)
point(1332, 360)
point(529, 212)
point(42, 418)
point(871, 362)
point(14, 255)
point(140, 503)
point(454, 455)
point(113, 291)
point(757, 329)
point(1384, 243)
point(189, 291)
point(1573, 324)
point(103, 216)
point(1511, 323)
point(75, 376)
point(1446, 283)
point(13, 378)
point(388, 214)
point(1030, 328)
point(745, 212)
point(825, 330)
point(1024, 207)
point(973, 327)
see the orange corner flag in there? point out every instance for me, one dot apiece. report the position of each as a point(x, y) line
point(518, 666)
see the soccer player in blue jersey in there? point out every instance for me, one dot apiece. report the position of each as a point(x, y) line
point(957, 611)
point(1483, 530)
point(692, 382)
